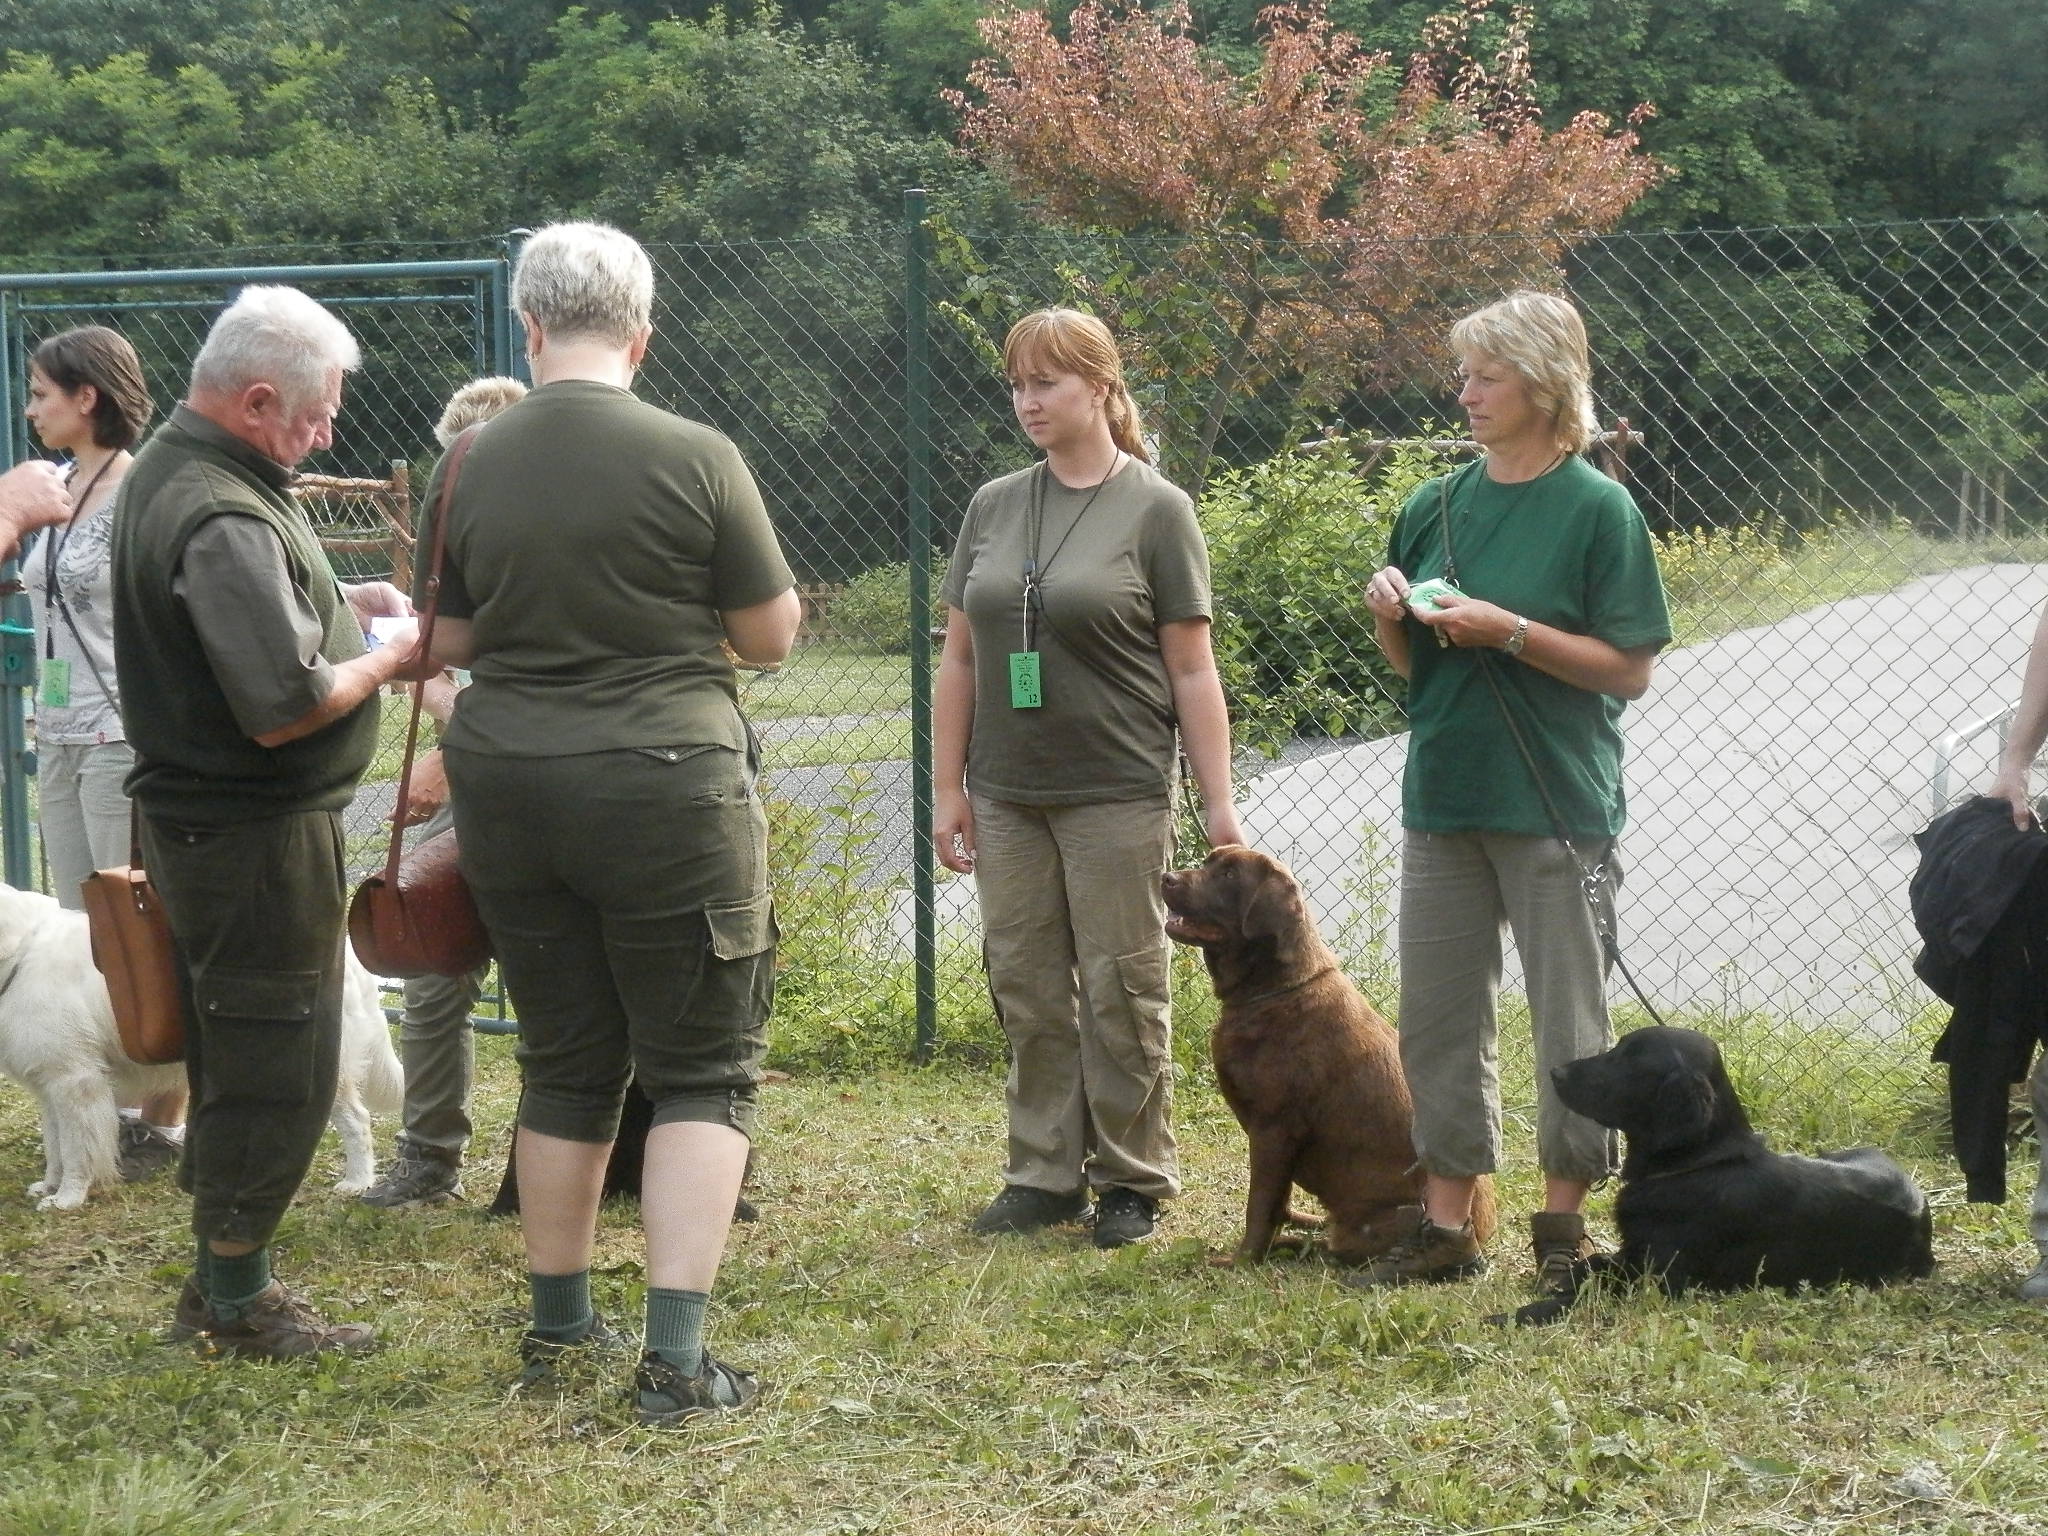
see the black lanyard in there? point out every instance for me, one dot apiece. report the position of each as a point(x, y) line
point(52, 598)
point(1034, 572)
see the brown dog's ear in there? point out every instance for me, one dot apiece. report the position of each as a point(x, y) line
point(1272, 904)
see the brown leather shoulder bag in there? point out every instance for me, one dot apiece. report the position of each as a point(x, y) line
point(418, 917)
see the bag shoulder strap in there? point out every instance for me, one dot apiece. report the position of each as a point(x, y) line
point(457, 452)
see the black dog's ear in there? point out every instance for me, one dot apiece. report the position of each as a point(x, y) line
point(1681, 1112)
point(1271, 906)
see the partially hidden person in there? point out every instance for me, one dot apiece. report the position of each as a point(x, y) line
point(434, 1036)
point(87, 398)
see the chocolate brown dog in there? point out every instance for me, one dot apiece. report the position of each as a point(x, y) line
point(1311, 1071)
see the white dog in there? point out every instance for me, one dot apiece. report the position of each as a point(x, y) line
point(58, 1040)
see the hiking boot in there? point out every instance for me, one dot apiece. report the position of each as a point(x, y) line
point(415, 1179)
point(541, 1358)
point(144, 1150)
point(1428, 1255)
point(1560, 1240)
point(663, 1396)
point(2035, 1287)
point(1022, 1208)
point(189, 1315)
point(1123, 1216)
point(278, 1325)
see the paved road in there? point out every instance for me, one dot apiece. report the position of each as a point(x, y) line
point(1775, 778)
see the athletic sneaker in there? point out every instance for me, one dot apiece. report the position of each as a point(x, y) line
point(1023, 1208)
point(413, 1180)
point(542, 1359)
point(1123, 1216)
point(144, 1151)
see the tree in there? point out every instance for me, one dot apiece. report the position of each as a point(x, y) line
point(1452, 187)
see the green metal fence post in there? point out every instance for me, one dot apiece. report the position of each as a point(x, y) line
point(917, 387)
point(17, 653)
point(511, 335)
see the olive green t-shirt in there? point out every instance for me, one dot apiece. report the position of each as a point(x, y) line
point(593, 541)
point(1114, 565)
point(1568, 549)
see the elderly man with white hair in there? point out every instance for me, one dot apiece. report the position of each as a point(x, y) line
point(250, 702)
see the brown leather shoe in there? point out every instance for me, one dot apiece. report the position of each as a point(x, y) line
point(1426, 1255)
point(189, 1316)
point(278, 1325)
point(1560, 1241)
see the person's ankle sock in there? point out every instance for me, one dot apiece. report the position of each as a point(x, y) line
point(561, 1306)
point(232, 1282)
point(675, 1327)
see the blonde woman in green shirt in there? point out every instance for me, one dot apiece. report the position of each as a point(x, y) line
point(1561, 601)
point(1077, 654)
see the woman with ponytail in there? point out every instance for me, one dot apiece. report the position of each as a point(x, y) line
point(1077, 650)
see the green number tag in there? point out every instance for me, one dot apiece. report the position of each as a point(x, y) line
point(56, 682)
point(1024, 692)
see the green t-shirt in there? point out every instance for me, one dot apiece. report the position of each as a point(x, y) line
point(593, 541)
point(1133, 561)
point(1567, 549)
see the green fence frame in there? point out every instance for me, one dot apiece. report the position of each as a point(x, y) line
point(491, 285)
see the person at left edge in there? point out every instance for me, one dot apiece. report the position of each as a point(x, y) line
point(251, 707)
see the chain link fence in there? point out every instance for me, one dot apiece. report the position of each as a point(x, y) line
point(1839, 437)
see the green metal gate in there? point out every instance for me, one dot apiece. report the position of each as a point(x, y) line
point(426, 327)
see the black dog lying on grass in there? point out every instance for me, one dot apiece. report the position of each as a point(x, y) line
point(1704, 1202)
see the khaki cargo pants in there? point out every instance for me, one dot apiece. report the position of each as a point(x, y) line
point(1077, 959)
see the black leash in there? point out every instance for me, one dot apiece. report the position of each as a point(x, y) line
point(1592, 878)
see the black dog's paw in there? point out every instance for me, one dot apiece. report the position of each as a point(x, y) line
point(1537, 1314)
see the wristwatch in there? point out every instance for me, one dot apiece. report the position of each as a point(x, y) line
point(1514, 642)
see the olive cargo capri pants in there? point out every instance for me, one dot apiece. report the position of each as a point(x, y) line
point(626, 893)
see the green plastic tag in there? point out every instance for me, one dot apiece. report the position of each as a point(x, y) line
point(56, 682)
point(1024, 692)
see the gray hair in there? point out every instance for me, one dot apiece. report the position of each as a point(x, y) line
point(585, 281)
point(1542, 338)
point(477, 401)
point(275, 336)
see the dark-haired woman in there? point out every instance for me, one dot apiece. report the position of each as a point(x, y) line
point(86, 398)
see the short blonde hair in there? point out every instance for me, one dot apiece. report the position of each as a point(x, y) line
point(1542, 338)
point(477, 401)
point(1068, 341)
point(585, 281)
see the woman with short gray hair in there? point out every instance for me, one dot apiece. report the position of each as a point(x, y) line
point(598, 551)
point(1518, 671)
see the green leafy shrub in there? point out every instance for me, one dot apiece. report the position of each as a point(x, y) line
point(873, 609)
point(1291, 543)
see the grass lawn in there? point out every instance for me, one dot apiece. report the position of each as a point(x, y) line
point(923, 1381)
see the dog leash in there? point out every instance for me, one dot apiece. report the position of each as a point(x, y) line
point(1592, 878)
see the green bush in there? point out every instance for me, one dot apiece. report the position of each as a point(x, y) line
point(874, 608)
point(1291, 543)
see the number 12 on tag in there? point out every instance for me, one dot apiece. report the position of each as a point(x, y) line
point(1024, 690)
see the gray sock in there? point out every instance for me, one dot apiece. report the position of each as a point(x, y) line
point(675, 1327)
point(561, 1306)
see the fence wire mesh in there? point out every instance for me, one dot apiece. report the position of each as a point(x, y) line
point(1839, 437)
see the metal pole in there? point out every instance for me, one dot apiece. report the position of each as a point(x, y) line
point(511, 334)
point(917, 386)
point(17, 647)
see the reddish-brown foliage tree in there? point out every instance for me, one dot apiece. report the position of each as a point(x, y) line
point(1331, 220)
